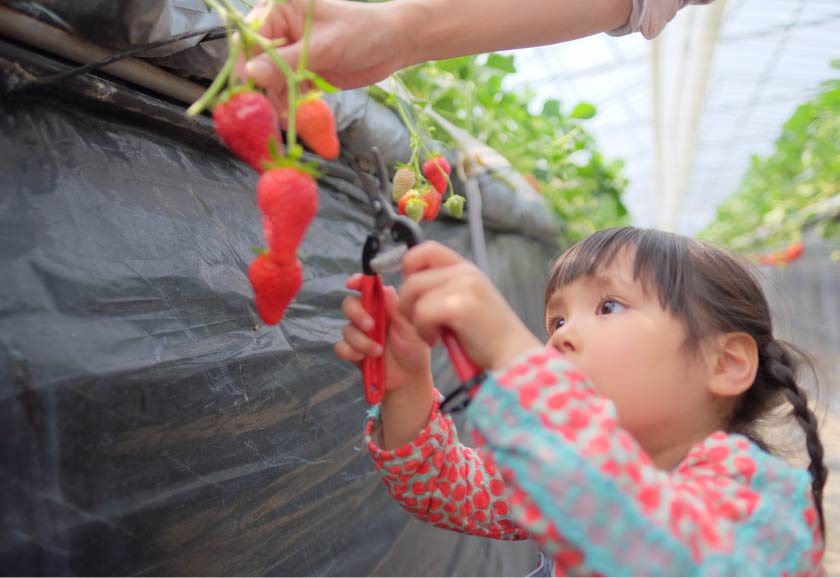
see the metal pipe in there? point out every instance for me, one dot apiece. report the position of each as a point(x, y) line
point(28, 30)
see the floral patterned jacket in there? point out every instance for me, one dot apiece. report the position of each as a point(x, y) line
point(552, 464)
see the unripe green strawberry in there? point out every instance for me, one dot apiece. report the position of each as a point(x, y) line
point(316, 127)
point(455, 204)
point(288, 200)
point(436, 170)
point(275, 285)
point(411, 205)
point(414, 209)
point(403, 181)
point(246, 122)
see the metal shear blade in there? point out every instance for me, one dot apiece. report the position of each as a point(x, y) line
point(385, 219)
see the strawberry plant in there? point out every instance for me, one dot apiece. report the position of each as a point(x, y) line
point(796, 186)
point(287, 193)
point(550, 148)
point(412, 182)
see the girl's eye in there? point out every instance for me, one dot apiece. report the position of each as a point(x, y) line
point(610, 306)
point(555, 324)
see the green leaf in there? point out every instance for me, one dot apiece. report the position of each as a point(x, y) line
point(320, 82)
point(501, 62)
point(551, 108)
point(583, 110)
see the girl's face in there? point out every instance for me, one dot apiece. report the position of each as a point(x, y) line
point(630, 348)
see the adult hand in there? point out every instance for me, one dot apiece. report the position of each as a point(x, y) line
point(442, 290)
point(351, 44)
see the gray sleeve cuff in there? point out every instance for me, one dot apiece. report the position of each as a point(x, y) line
point(651, 16)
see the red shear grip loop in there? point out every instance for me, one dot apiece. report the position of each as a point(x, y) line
point(464, 366)
point(373, 368)
point(470, 375)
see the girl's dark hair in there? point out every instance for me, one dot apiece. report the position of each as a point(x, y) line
point(712, 292)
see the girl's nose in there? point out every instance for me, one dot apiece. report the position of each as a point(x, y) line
point(566, 340)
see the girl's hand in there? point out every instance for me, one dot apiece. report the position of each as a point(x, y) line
point(407, 357)
point(351, 44)
point(444, 290)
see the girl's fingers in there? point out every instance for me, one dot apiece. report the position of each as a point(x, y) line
point(354, 282)
point(356, 314)
point(347, 353)
point(392, 307)
point(427, 255)
point(424, 281)
point(435, 310)
point(358, 340)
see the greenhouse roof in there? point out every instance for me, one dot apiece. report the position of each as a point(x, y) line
point(688, 110)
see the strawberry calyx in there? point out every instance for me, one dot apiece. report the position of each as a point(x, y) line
point(293, 162)
point(310, 96)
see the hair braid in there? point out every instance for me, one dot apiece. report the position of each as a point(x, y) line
point(782, 368)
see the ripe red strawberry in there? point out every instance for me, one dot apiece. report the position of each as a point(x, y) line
point(246, 122)
point(434, 169)
point(275, 285)
point(793, 252)
point(316, 126)
point(432, 198)
point(288, 200)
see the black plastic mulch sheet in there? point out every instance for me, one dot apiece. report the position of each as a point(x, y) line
point(150, 425)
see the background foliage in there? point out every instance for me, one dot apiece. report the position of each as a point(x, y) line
point(798, 185)
point(551, 145)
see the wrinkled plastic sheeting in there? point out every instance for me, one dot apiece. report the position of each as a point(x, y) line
point(151, 425)
point(805, 300)
point(130, 23)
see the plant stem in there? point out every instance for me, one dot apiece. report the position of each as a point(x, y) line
point(199, 105)
point(307, 26)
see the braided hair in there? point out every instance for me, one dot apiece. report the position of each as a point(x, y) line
point(775, 383)
point(713, 292)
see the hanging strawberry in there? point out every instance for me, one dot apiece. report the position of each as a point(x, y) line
point(403, 181)
point(246, 122)
point(437, 171)
point(275, 285)
point(316, 127)
point(432, 198)
point(288, 199)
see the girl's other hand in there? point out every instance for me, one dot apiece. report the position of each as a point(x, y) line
point(444, 290)
point(407, 356)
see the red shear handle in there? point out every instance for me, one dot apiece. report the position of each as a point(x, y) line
point(464, 366)
point(373, 368)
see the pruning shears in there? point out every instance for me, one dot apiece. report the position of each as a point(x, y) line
point(406, 233)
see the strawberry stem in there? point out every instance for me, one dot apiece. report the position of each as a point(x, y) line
point(198, 106)
point(307, 27)
point(416, 139)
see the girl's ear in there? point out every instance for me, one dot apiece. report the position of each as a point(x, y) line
point(734, 365)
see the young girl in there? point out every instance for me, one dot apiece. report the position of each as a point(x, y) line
point(626, 444)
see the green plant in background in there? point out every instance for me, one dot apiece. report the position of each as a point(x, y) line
point(551, 147)
point(796, 186)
